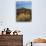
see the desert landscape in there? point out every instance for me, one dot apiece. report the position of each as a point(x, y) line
point(39, 40)
point(23, 15)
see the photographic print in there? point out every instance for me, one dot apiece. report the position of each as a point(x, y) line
point(23, 11)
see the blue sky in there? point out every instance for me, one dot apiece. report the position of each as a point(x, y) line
point(25, 4)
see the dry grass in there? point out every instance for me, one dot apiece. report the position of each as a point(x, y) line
point(23, 17)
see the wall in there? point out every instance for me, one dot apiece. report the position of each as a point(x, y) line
point(8, 19)
point(39, 18)
point(31, 30)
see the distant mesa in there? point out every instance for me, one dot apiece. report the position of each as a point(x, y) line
point(23, 10)
point(39, 40)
